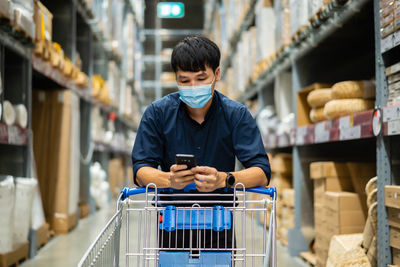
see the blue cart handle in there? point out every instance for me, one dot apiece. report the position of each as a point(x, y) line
point(127, 192)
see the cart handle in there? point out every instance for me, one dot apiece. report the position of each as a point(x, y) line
point(126, 192)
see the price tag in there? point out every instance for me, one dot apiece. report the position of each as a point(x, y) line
point(13, 135)
point(391, 113)
point(350, 133)
point(387, 43)
point(394, 127)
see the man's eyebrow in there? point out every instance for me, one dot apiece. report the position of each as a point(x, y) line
point(182, 77)
point(202, 74)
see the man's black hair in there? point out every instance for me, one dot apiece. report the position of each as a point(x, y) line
point(194, 53)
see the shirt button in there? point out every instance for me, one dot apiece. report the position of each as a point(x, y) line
point(198, 148)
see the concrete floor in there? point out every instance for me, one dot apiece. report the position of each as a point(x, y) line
point(67, 250)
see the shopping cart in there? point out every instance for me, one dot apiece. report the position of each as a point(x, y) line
point(166, 228)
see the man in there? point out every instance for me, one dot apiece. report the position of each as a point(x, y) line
point(198, 120)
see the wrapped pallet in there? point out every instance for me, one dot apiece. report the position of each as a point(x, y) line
point(7, 202)
point(265, 23)
point(24, 193)
point(52, 117)
point(345, 250)
point(343, 107)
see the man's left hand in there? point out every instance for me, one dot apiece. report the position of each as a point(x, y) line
point(208, 179)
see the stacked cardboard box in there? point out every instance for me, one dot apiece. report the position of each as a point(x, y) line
point(336, 211)
point(282, 30)
point(392, 201)
point(393, 78)
point(390, 17)
point(281, 166)
point(116, 175)
point(55, 124)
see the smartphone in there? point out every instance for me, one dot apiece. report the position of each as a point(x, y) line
point(185, 159)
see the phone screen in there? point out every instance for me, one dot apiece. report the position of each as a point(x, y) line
point(185, 159)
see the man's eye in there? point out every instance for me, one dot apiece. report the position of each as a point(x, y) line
point(184, 81)
point(201, 79)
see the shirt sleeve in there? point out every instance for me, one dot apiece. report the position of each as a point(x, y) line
point(148, 148)
point(248, 145)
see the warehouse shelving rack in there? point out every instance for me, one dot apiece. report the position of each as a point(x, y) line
point(344, 43)
point(15, 59)
point(76, 29)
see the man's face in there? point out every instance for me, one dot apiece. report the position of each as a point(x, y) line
point(188, 78)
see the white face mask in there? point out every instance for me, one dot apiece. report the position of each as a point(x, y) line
point(196, 96)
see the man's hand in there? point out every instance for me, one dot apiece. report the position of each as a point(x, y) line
point(180, 176)
point(208, 179)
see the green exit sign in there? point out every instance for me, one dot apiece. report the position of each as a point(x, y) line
point(167, 10)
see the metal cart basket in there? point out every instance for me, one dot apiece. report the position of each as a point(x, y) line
point(171, 228)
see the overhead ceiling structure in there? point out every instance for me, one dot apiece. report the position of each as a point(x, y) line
point(161, 35)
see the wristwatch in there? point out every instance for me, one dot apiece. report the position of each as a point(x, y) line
point(230, 180)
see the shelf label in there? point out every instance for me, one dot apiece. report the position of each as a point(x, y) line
point(283, 140)
point(13, 135)
point(394, 127)
point(350, 133)
point(301, 133)
point(272, 141)
point(345, 122)
point(321, 132)
point(391, 113)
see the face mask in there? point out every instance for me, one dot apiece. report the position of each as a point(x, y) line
point(196, 96)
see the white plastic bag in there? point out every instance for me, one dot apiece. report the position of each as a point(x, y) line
point(7, 200)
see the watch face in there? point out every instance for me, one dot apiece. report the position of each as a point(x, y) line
point(231, 180)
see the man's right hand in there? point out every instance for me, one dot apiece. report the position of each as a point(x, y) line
point(180, 177)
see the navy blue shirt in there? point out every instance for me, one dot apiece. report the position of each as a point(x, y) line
point(228, 130)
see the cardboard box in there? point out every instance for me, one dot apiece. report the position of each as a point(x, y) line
point(361, 173)
point(288, 197)
point(282, 164)
point(281, 182)
point(396, 256)
point(340, 201)
point(331, 184)
point(330, 169)
point(395, 237)
point(319, 217)
point(394, 217)
point(303, 109)
point(44, 22)
point(392, 196)
point(345, 218)
point(332, 230)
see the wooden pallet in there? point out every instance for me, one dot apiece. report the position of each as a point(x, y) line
point(84, 210)
point(15, 257)
point(63, 224)
point(309, 257)
point(43, 235)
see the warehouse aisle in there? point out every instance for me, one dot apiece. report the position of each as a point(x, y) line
point(67, 250)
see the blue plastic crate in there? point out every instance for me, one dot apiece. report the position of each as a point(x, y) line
point(218, 219)
point(182, 259)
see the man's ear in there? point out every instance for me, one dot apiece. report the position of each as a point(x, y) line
point(218, 74)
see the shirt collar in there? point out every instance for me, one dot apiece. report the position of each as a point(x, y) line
point(184, 111)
